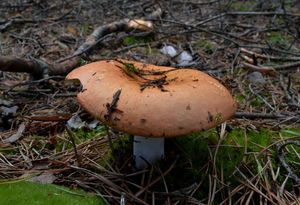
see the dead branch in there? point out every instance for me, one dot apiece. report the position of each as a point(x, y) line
point(11, 64)
point(18, 19)
point(262, 69)
point(258, 55)
point(267, 69)
point(282, 160)
point(251, 62)
point(15, 136)
point(286, 89)
point(294, 65)
point(72, 139)
point(39, 68)
point(276, 116)
point(196, 3)
point(261, 13)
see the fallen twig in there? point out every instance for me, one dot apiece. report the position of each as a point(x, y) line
point(261, 13)
point(258, 55)
point(262, 69)
point(282, 160)
point(17, 135)
point(267, 69)
point(251, 115)
point(71, 136)
point(20, 20)
point(260, 97)
point(39, 68)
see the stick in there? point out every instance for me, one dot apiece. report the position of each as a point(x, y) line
point(40, 69)
point(71, 136)
point(110, 109)
point(273, 116)
point(281, 157)
point(258, 55)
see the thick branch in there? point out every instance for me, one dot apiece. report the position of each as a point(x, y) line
point(40, 69)
point(11, 64)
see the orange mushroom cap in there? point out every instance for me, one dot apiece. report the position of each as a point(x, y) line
point(152, 101)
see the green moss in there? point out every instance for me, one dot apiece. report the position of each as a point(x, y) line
point(252, 141)
point(82, 62)
point(240, 98)
point(23, 193)
point(230, 152)
point(279, 40)
point(122, 149)
point(242, 5)
point(256, 102)
point(130, 69)
point(279, 20)
point(85, 28)
point(289, 5)
point(194, 155)
point(195, 144)
point(86, 134)
point(106, 159)
point(205, 45)
point(80, 136)
point(106, 53)
point(131, 40)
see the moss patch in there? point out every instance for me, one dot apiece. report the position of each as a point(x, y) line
point(131, 40)
point(279, 40)
point(205, 45)
point(23, 193)
point(242, 5)
point(86, 134)
point(195, 162)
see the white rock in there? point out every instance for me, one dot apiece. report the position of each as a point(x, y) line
point(184, 58)
point(169, 50)
point(256, 78)
point(75, 122)
point(93, 124)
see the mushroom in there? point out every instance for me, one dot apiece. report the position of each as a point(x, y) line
point(152, 102)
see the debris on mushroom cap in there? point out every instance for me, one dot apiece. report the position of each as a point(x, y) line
point(154, 101)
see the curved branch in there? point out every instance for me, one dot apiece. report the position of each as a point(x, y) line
point(62, 67)
point(281, 157)
point(11, 64)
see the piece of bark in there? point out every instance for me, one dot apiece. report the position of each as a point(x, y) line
point(15, 137)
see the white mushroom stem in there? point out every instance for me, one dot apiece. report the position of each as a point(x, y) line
point(147, 150)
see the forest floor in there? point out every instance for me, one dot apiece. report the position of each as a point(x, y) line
point(251, 46)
